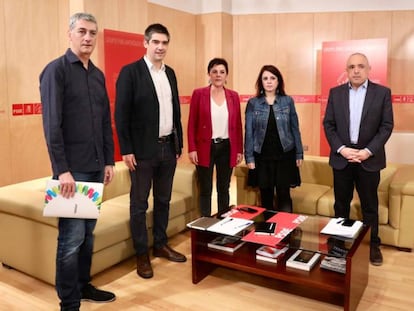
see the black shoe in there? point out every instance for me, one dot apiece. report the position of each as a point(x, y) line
point(91, 293)
point(375, 256)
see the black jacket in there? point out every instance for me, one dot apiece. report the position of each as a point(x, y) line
point(137, 110)
point(375, 129)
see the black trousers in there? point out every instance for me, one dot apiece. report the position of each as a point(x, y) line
point(158, 173)
point(283, 199)
point(366, 183)
point(219, 157)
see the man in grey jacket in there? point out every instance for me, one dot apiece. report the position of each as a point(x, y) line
point(358, 122)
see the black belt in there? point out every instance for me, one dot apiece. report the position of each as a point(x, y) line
point(219, 140)
point(165, 139)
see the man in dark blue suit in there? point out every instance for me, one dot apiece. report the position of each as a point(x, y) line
point(358, 122)
point(148, 122)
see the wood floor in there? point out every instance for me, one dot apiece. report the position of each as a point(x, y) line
point(391, 287)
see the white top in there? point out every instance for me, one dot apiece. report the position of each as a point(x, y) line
point(164, 95)
point(219, 119)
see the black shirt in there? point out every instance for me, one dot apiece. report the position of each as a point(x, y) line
point(272, 147)
point(76, 116)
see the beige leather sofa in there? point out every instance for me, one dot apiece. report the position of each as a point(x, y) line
point(28, 240)
point(315, 197)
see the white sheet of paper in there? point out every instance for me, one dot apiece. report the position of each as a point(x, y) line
point(335, 227)
point(230, 225)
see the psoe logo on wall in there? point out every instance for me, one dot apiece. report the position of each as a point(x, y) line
point(26, 109)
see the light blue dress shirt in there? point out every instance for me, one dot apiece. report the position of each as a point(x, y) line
point(356, 103)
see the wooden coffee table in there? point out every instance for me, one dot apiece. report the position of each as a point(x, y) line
point(333, 287)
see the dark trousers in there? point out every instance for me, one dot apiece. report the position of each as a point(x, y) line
point(158, 173)
point(74, 252)
point(366, 183)
point(220, 157)
point(283, 199)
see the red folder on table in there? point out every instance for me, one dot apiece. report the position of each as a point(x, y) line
point(286, 223)
point(245, 211)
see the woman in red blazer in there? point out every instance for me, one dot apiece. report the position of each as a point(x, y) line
point(215, 136)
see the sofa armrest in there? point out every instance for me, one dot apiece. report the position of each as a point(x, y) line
point(185, 182)
point(403, 181)
point(120, 184)
point(184, 179)
point(401, 205)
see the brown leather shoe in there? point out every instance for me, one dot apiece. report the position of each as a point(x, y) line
point(375, 256)
point(169, 253)
point(144, 268)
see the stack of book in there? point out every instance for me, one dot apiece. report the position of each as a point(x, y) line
point(303, 260)
point(226, 243)
point(269, 253)
point(227, 226)
point(334, 264)
point(336, 258)
point(203, 223)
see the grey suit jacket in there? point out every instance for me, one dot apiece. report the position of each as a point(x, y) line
point(375, 129)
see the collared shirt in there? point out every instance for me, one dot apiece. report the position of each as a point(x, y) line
point(164, 95)
point(356, 103)
point(76, 116)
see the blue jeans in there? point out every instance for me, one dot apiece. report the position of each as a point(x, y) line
point(74, 252)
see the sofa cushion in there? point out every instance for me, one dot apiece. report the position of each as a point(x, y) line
point(113, 223)
point(326, 203)
point(316, 170)
point(306, 196)
point(325, 206)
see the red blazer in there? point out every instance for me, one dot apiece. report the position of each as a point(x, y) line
point(200, 130)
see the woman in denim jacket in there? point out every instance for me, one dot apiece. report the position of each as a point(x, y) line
point(273, 146)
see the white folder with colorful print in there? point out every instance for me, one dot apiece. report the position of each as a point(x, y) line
point(86, 202)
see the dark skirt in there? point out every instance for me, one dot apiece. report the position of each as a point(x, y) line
point(271, 173)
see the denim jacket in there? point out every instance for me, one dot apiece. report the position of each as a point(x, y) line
point(257, 115)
